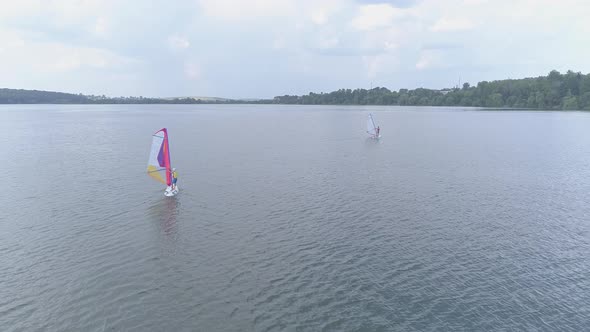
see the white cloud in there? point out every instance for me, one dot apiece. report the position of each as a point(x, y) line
point(320, 11)
point(388, 46)
point(384, 40)
point(430, 59)
point(177, 42)
point(371, 17)
point(74, 16)
point(423, 62)
point(75, 11)
point(61, 57)
point(475, 2)
point(101, 27)
point(238, 10)
point(328, 42)
point(319, 17)
point(55, 57)
point(11, 39)
point(17, 9)
point(452, 24)
point(279, 43)
point(373, 65)
point(192, 70)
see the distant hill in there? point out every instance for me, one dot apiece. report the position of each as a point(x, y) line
point(20, 96)
point(219, 99)
point(13, 96)
point(213, 99)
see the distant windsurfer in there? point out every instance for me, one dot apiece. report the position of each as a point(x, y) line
point(174, 178)
point(378, 129)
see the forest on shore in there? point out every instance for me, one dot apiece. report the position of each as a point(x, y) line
point(20, 96)
point(569, 91)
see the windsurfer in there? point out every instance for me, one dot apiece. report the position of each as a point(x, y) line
point(174, 178)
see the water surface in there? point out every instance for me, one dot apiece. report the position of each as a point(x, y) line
point(289, 218)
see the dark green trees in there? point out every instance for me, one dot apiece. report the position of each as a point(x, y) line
point(554, 91)
point(569, 91)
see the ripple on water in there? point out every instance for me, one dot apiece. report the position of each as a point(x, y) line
point(313, 230)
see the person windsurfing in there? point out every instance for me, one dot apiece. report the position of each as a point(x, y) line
point(378, 129)
point(174, 178)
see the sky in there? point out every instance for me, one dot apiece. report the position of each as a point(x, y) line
point(265, 48)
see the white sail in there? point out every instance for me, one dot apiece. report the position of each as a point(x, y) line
point(159, 161)
point(371, 128)
point(159, 166)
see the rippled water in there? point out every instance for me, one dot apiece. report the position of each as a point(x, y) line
point(290, 219)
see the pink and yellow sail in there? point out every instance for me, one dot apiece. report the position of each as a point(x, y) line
point(159, 161)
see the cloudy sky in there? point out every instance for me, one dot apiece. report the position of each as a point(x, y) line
point(264, 48)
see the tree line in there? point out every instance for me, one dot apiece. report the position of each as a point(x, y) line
point(14, 96)
point(555, 91)
point(569, 91)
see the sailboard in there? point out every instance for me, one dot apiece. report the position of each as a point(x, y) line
point(372, 129)
point(159, 166)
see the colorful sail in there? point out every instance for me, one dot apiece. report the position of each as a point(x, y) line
point(159, 161)
point(371, 128)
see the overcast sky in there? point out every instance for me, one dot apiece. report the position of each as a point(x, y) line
point(264, 48)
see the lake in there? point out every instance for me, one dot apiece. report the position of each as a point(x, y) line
point(290, 219)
